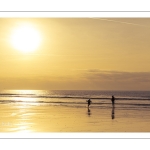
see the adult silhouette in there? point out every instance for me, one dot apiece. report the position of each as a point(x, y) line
point(113, 100)
point(89, 102)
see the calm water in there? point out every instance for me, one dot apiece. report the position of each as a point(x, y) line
point(74, 98)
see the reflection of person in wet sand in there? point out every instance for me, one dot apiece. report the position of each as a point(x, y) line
point(113, 112)
point(89, 102)
point(89, 111)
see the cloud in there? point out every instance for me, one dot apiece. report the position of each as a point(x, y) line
point(117, 75)
point(92, 79)
point(118, 80)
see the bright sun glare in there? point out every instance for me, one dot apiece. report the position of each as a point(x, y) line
point(25, 38)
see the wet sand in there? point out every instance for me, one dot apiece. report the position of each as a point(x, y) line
point(48, 118)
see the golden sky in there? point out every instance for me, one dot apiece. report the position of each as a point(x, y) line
point(77, 53)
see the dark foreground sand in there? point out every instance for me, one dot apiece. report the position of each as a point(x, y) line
point(28, 118)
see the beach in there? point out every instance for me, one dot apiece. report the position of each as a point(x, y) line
point(48, 118)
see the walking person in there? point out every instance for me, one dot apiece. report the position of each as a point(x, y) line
point(113, 100)
point(89, 102)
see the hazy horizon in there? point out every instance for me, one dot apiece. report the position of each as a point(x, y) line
point(75, 53)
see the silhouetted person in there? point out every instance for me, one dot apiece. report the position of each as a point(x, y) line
point(89, 102)
point(113, 100)
point(89, 111)
point(113, 112)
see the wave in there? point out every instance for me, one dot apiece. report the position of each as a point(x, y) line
point(76, 102)
point(72, 97)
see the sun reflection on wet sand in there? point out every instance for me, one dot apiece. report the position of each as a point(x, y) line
point(47, 118)
point(23, 129)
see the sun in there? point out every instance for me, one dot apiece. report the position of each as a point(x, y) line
point(25, 38)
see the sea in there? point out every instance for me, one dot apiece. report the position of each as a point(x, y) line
point(77, 98)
